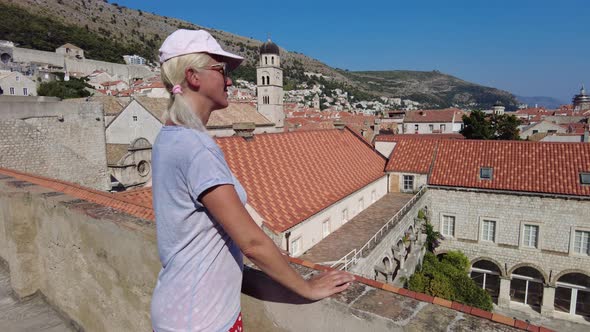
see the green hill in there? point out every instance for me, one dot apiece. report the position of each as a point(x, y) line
point(108, 31)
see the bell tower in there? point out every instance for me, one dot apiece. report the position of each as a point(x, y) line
point(269, 81)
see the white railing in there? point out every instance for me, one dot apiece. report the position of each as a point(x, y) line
point(354, 255)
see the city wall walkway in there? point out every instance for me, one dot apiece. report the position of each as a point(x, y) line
point(32, 314)
point(356, 232)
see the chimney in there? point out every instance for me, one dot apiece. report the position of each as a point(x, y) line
point(244, 129)
point(339, 124)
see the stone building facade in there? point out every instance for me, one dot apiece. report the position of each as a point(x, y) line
point(55, 139)
point(508, 244)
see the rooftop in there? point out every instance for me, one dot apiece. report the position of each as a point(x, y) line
point(538, 167)
point(444, 115)
point(291, 176)
point(357, 231)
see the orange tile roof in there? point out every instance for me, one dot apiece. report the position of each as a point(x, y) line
point(397, 137)
point(141, 196)
point(291, 176)
point(444, 115)
point(135, 208)
point(412, 155)
point(539, 167)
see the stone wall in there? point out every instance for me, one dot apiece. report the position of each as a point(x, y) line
point(98, 267)
point(55, 139)
point(384, 248)
point(557, 219)
point(84, 66)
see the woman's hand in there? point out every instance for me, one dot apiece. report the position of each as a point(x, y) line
point(326, 284)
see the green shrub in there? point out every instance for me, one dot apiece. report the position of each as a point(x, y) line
point(449, 279)
point(421, 214)
point(457, 259)
point(418, 282)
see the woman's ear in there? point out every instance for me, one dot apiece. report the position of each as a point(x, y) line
point(191, 77)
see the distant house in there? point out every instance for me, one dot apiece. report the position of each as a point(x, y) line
point(433, 121)
point(114, 86)
point(409, 163)
point(70, 50)
point(155, 89)
point(134, 60)
point(221, 122)
point(98, 77)
point(16, 84)
point(141, 118)
point(542, 127)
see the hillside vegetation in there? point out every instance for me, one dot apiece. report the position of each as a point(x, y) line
point(107, 31)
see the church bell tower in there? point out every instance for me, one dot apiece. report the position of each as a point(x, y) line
point(269, 81)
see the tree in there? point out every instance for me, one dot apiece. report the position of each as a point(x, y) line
point(74, 88)
point(507, 127)
point(477, 126)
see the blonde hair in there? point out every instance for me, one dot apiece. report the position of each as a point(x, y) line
point(180, 111)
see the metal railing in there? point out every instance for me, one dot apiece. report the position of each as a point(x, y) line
point(346, 262)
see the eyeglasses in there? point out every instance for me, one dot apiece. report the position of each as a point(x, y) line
point(220, 67)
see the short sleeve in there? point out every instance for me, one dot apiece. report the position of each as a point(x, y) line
point(207, 169)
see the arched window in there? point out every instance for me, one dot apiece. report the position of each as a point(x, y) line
point(266, 60)
point(267, 79)
point(263, 78)
point(486, 275)
point(272, 60)
point(572, 294)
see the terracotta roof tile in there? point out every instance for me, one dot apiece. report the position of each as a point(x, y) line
point(397, 137)
point(237, 112)
point(444, 115)
point(139, 209)
point(540, 167)
point(291, 176)
point(412, 155)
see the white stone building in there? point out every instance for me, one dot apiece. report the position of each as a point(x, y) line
point(134, 59)
point(433, 121)
point(542, 127)
point(519, 211)
point(70, 50)
point(16, 84)
point(141, 118)
point(304, 185)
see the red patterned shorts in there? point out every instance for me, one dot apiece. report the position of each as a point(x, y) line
point(237, 325)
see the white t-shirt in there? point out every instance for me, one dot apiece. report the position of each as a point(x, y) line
point(199, 286)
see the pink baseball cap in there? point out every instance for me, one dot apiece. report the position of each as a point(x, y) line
point(182, 42)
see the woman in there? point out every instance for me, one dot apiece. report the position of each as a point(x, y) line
point(202, 225)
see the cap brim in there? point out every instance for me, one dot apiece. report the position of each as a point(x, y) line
point(232, 60)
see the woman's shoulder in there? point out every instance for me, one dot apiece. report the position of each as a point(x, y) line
point(190, 138)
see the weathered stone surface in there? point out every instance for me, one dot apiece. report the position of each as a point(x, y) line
point(31, 314)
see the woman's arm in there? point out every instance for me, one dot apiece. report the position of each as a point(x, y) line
point(225, 206)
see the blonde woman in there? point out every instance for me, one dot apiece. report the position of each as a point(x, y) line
point(202, 225)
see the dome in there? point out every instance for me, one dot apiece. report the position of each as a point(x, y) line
point(269, 48)
point(582, 97)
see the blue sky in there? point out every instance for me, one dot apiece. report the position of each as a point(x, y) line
point(530, 48)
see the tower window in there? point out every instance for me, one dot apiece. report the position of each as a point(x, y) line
point(267, 79)
point(266, 60)
point(272, 60)
point(263, 79)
